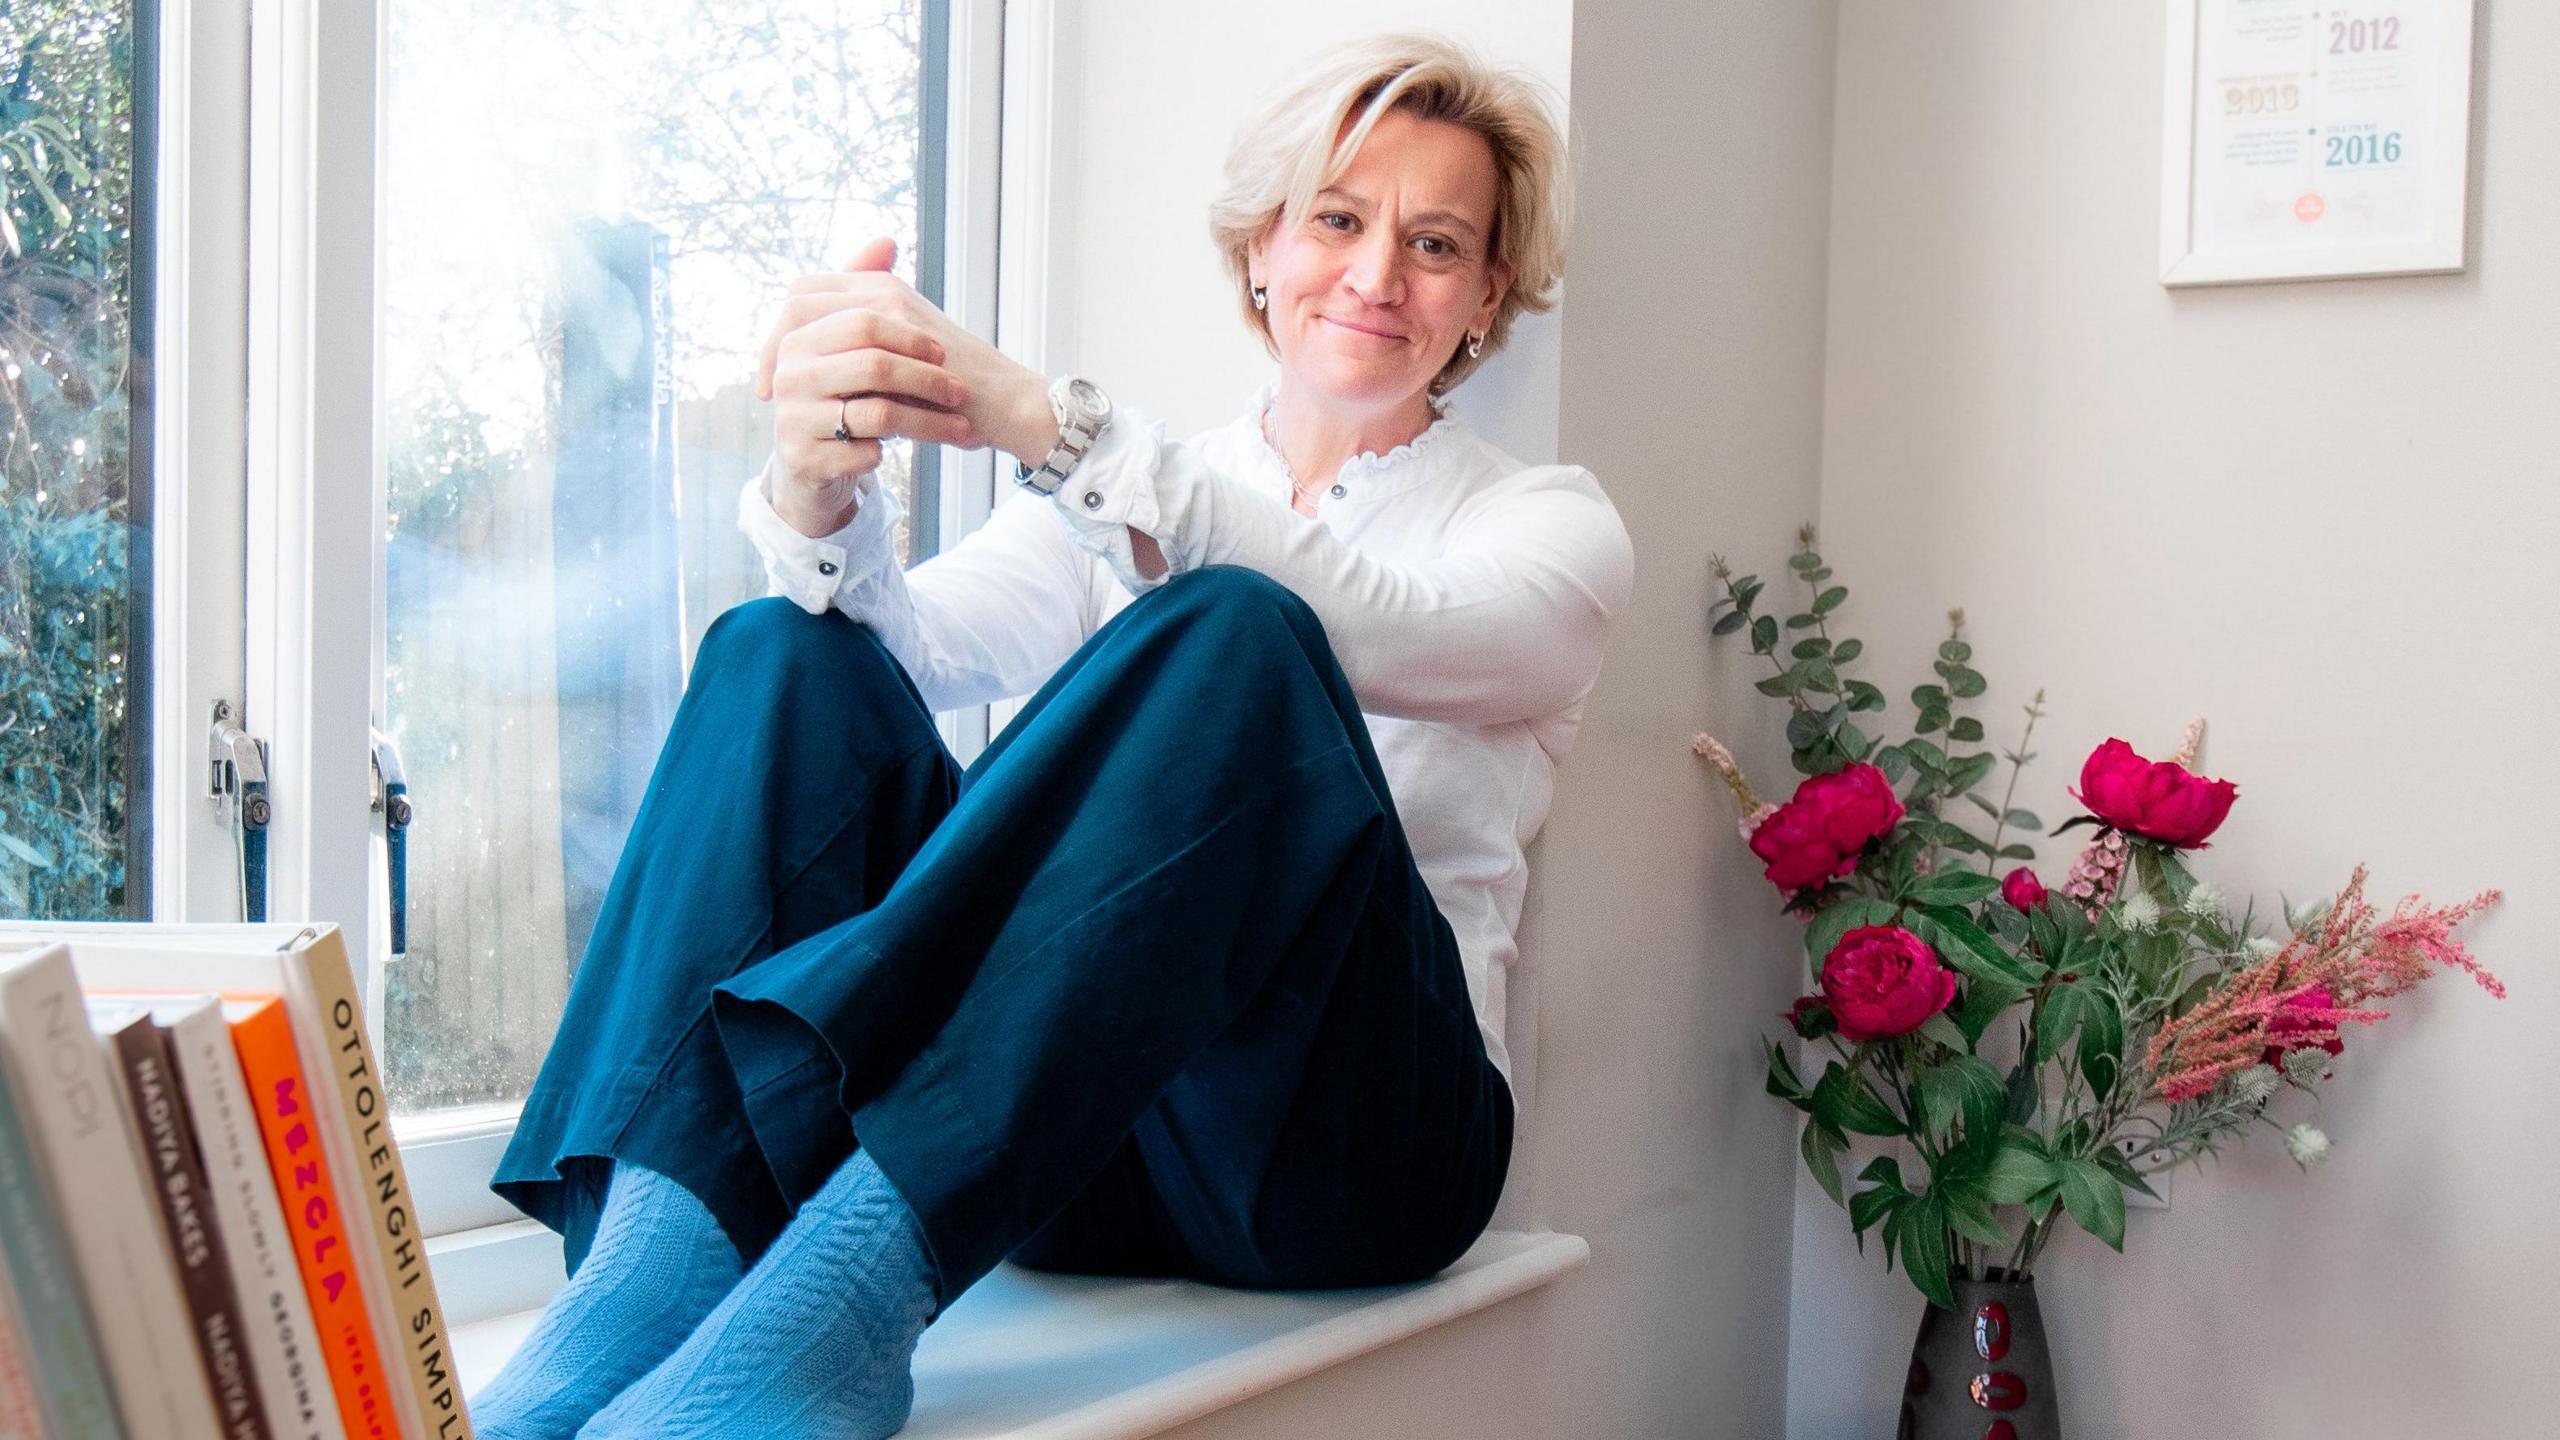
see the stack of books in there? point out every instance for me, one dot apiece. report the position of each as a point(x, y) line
point(205, 1228)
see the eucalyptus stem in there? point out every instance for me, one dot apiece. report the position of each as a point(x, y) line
point(2017, 763)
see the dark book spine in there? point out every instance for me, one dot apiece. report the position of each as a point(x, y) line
point(186, 1213)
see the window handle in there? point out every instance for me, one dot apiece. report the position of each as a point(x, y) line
point(237, 783)
point(391, 802)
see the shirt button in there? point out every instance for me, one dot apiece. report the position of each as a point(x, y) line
point(1339, 492)
point(1093, 499)
point(826, 567)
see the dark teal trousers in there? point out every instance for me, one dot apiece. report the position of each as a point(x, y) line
point(1152, 988)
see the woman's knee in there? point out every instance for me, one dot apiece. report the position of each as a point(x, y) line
point(1226, 600)
point(770, 647)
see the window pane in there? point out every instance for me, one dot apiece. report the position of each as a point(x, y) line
point(592, 210)
point(75, 494)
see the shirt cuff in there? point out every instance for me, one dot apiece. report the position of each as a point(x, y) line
point(813, 570)
point(1114, 488)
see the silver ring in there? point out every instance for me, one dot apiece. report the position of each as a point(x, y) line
point(844, 429)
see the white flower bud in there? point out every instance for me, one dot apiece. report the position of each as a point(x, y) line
point(2203, 902)
point(2139, 911)
point(2263, 947)
point(2308, 1146)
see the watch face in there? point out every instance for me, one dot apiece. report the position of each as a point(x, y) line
point(1086, 399)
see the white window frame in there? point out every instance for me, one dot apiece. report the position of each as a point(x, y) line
point(312, 505)
point(200, 309)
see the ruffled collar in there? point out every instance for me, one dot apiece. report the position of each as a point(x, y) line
point(1371, 471)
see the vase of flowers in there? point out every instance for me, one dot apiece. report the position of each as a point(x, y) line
point(2032, 1053)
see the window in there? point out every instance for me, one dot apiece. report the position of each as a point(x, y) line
point(76, 638)
point(589, 209)
point(414, 439)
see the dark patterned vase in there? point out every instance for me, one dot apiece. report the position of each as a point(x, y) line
point(1981, 1371)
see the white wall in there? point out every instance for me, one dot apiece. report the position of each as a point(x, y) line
point(2322, 515)
point(1689, 357)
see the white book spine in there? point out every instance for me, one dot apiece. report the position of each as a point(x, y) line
point(77, 1117)
point(283, 1344)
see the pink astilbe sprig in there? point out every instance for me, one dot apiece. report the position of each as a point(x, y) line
point(2349, 955)
point(2227, 1031)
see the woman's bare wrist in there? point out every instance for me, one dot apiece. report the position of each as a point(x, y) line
point(815, 515)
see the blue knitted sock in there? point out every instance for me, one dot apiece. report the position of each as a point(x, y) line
point(658, 1264)
point(815, 1342)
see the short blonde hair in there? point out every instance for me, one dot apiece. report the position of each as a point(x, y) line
point(1287, 152)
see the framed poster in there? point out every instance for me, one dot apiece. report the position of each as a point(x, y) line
point(2314, 139)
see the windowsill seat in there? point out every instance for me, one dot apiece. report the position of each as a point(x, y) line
point(1029, 1355)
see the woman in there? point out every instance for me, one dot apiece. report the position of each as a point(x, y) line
point(1198, 970)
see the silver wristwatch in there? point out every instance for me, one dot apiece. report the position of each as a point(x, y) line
point(1084, 412)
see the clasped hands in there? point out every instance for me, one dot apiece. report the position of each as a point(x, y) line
point(859, 347)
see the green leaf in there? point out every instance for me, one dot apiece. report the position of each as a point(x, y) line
point(1922, 1226)
point(1803, 728)
point(2017, 852)
point(2117, 1165)
point(33, 854)
point(2057, 1018)
point(2094, 1199)
point(2024, 820)
point(1942, 1028)
point(1783, 1081)
point(1726, 625)
point(1838, 919)
point(1873, 1204)
point(1954, 652)
point(1830, 600)
point(1804, 560)
point(1884, 1170)
point(1842, 1101)
point(1925, 755)
point(1964, 946)
point(1955, 887)
point(1962, 1088)
point(2016, 1175)
point(1783, 684)
point(1812, 647)
point(1929, 697)
point(2026, 1095)
point(1969, 1215)
point(1764, 635)
point(1893, 763)
point(1965, 731)
point(1846, 651)
point(2101, 1042)
point(1968, 772)
point(1805, 621)
point(1862, 696)
point(1746, 590)
point(1821, 1149)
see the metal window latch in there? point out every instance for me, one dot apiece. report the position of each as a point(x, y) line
point(237, 783)
point(391, 802)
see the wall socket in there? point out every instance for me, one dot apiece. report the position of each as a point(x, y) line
point(2140, 1154)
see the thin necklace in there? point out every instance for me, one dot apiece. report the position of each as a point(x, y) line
point(1296, 492)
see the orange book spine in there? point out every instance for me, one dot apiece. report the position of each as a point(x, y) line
point(284, 1101)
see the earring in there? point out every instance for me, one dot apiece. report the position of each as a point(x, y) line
point(1261, 298)
point(1475, 346)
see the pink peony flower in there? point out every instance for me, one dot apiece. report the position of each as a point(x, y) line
point(2022, 889)
point(2158, 800)
point(1817, 835)
point(1882, 981)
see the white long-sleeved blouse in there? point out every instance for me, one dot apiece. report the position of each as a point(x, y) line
point(1464, 593)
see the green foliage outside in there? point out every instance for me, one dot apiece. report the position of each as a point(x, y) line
point(66, 543)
